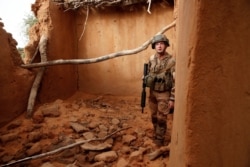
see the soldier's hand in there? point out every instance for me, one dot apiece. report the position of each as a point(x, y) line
point(170, 104)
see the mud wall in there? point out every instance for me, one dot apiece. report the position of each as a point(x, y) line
point(59, 82)
point(15, 82)
point(107, 30)
point(212, 115)
point(116, 29)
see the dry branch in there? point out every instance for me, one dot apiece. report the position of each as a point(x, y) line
point(149, 6)
point(85, 23)
point(64, 148)
point(33, 92)
point(34, 56)
point(99, 59)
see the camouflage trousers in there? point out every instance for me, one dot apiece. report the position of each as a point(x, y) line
point(158, 103)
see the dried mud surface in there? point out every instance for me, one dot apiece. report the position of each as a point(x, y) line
point(97, 116)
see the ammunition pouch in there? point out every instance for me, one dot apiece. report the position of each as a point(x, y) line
point(149, 80)
point(163, 82)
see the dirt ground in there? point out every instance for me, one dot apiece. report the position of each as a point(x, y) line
point(79, 118)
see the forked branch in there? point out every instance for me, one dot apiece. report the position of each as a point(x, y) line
point(42, 47)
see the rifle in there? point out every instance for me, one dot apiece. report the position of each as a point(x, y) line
point(143, 94)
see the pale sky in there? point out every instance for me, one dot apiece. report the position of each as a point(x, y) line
point(12, 13)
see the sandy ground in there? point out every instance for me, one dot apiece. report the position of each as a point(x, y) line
point(51, 128)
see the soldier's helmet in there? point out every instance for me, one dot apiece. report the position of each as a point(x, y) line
point(160, 38)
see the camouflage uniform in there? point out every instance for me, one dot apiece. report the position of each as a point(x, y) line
point(160, 94)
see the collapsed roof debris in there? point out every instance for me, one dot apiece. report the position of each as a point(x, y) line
point(75, 4)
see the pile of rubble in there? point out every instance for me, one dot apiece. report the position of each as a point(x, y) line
point(90, 132)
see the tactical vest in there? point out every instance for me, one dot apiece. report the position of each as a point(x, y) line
point(160, 77)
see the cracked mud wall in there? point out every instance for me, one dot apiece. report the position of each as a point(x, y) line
point(15, 82)
point(212, 115)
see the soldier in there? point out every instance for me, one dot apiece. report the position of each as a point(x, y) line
point(161, 82)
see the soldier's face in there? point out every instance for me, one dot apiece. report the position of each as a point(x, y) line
point(160, 47)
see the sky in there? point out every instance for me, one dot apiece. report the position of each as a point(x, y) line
point(12, 13)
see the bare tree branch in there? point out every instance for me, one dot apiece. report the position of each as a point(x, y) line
point(149, 6)
point(36, 84)
point(64, 148)
point(85, 23)
point(99, 59)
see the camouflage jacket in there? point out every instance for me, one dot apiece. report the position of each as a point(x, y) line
point(167, 66)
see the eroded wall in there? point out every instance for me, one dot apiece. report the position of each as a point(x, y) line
point(15, 82)
point(59, 81)
point(212, 115)
point(113, 30)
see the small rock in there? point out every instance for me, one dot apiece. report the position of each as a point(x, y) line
point(8, 137)
point(47, 164)
point(73, 119)
point(88, 135)
point(124, 125)
point(38, 118)
point(67, 153)
point(75, 106)
point(137, 155)
point(122, 163)
point(78, 127)
point(81, 159)
point(110, 141)
point(14, 124)
point(125, 150)
point(98, 164)
point(51, 111)
point(127, 139)
point(34, 136)
point(115, 121)
point(93, 125)
point(102, 134)
point(103, 128)
point(91, 156)
point(113, 128)
point(140, 132)
point(35, 149)
point(109, 156)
